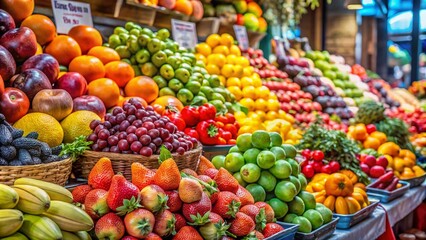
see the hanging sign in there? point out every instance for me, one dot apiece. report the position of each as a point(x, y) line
point(184, 33)
point(242, 37)
point(69, 14)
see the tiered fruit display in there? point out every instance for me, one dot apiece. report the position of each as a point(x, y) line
point(34, 209)
point(339, 192)
point(268, 170)
point(407, 100)
point(266, 70)
point(135, 129)
point(381, 88)
point(418, 89)
point(314, 162)
point(388, 182)
point(207, 204)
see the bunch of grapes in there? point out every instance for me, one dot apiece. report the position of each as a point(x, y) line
point(134, 129)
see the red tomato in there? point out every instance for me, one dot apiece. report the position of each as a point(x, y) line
point(317, 166)
point(335, 166)
point(308, 171)
point(14, 104)
point(317, 155)
point(231, 128)
point(306, 153)
point(326, 169)
point(370, 128)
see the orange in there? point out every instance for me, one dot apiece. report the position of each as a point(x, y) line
point(203, 48)
point(143, 87)
point(380, 136)
point(360, 132)
point(184, 6)
point(105, 89)
point(105, 54)
point(389, 148)
point(18, 9)
point(90, 67)
point(42, 26)
point(120, 72)
point(226, 40)
point(161, 103)
point(87, 37)
point(221, 50)
point(64, 49)
point(39, 49)
point(213, 40)
point(371, 142)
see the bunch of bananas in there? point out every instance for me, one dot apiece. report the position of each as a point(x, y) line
point(38, 210)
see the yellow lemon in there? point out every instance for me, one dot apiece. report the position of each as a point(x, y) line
point(228, 70)
point(238, 71)
point(257, 82)
point(213, 40)
point(273, 105)
point(246, 81)
point(221, 50)
point(212, 69)
point(243, 61)
point(247, 71)
point(201, 57)
point(239, 116)
point(231, 59)
point(233, 81)
point(226, 40)
point(216, 59)
point(262, 92)
point(236, 91)
point(273, 96)
point(261, 115)
point(234, 49)
point(271, 115)
point(203, 48)
point(249, 92)
point(261, 104)
point(222, 80)
point(248, 103)
point(246, 129)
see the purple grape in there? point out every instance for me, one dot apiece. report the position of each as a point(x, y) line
point(140, 114)
point(99, 128)
point(164, 133)
point(127, 152)
point(131, 129)
point(126, 106)
point(113, 140)
point(102, 144)
point(124, 125)
point(180, 150)
point(123, 145)
point(131, 118)
point(131, 138)
point(137, 105)
point(131, 110)
point(137, 123)
point(120, 118)
point(149, 108)
point(148, 125)
point(141, 131)
point(107, 124)
point(117, 111)
point(146, 151)
point(190, 145)
point(114, 149)
point(184, 145)
point(107, 117)
point(136, 146)
point(175, 144)
point(94, 124)
point(145, 140)
point(168, 145)
point(154, 118)
point(154, 133)
point(95, 147)
point(169, 139)
point(116, 128)
point(113, 120)
point(159, 123)
point(157, 141)
point(103, 134)
point(92, 137)
point(105, 149)
point(146, 119)
point(153, 147)
point(122, 135)
point(171, 127)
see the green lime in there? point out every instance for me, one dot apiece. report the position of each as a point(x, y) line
point(295, 167)
point(250, 172)
point(244, 142)
point(290, 150)
point(289, 218)
point(303, 181)
point(240, 180)
point(296, 206)
point(267, 181)
point(218, 161)
point(296, 182)
point(327, 214)
point(261, 139)
point(304, 224)
point(257, 192)
point(279, 152)
point(276, 139)
point(280, 207)
point(314, 217)
point(281, 169)
point(234, 149)
point(234, 161)
point(265, 159)
point(308, 199)
point(251, 155)
point(285, 191)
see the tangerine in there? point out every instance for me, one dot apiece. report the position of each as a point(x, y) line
point(87, 37)
point(106, 90)
point(64, 49)
point(120, 72)
point(161, 103)
point(213, 40)
point(42, 26)
point(184, 6)
point(90, 67)
point(105, 54)
point(371, 142)
point(143, 87)
point(226, 39)
point(18, 9)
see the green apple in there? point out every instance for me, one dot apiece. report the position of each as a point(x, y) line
point(143, 40)
point(168, 52)
point(193, 86)
point(182, 74)
point(148, 32)
point(172, 46)
point(132, 60)
point(142, 56)
point(201, 94)
point(188, 60)
point(175, 84)
point(199, 100)
point(123, 52)
point(208, 91)
point(133, 45)
point(149, 69)
point(123, 38)
point(114, 41)
point(197, 77)
point(174, 61)
point(205, 83)
point(220, 107)
point(166, 91)
point(163, 34)
point(159, 58)
point(155, 45)
point(137, 70)
point(135, 32)
point(167, 71)
point(185, 96)
point(126, 60)
point(160, 81)
point(130, 25)
point(217, 96)
point(118, 30)
point(214, 81)
point(186, 66)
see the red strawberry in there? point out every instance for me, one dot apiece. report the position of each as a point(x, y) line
point(259, 235)
point(190, 190)
point(245, 196)
point(95, 203)
point(120, 190)
point(189, 172)
point(271, 229)
point(206, 179)
point(251, 211)
point(215, 218)
point(129, 238)
point(269, 212)
point(141, 176)
point(153, 236)
point(213, 197)
point(211, 172)
point(227, 238)
point(153, 198)
point(225, 181)
point(139, 223)
point(101, 174)
point(242, 225)
point(110, 226)
point(79, 193)
point(204, 165)
point(173, 202)
point(187, 233)
point(180, 221)
point(197, 211)
point(214, 230)
point(165, 223)
point(227, 204)
point(167, 175)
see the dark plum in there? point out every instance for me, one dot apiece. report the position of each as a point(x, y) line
point(146, 151)
point(131, 129)
point(113, 140)
point(136, 146)
point(131, 138)
point(123, 145)
point(145, 140)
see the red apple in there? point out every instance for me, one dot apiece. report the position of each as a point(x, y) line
point(14, 104)
point(45, 63)
point(7, 64)
point(74, 83)
point(370, 161)
point(90, 103)
point(55, 102)
point(20, 42)
point(365, 168)
point(31, 81)
point(6, 22)
point(377, 171)
point(95, 203)
point(382, 161)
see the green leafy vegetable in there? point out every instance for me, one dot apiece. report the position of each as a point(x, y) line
point(164, 154)
point(396, 131)
point(76, 148)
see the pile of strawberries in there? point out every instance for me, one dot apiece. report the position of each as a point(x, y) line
point(207, 204)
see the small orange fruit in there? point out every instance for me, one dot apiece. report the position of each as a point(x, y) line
point(105, 89)
point(371, 142)
point(120, 72)
point(87, 37)
point(380, 136)
point(143, 87)
point(42, 26)
point(184, 6)
point(64, 49)
point(18, 9)
point(105, 54)
point(90, 67)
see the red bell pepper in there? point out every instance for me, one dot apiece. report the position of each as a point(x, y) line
point(207, 111)
point(208, 132)
point(225, 134)
point(190, 115)
point(232, 129)
point(192, 133)
point(175, 117)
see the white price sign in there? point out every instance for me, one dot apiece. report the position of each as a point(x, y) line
point(184, 33)
point(242, 37)
point(69, 14)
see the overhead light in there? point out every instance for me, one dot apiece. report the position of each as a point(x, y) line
point(353, 4)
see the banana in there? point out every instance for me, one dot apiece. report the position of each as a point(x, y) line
point(10, 221)
point(40, 228)
point(8, 197)
point(83, 235)
point(69, 236)
point(55, 192)
point(32, 200)
point(16, 236)
point(69, 217)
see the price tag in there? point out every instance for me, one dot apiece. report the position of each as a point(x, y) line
point(279, 48)
point(184, 33)
point(69, 14)
point(242, 38)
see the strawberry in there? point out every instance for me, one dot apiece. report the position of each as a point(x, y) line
point(242, 225)
point(214, 230)
point(129, 238)
point(141, 176)
point(225, 181)
point(197, 212)
point(245, 196)
point(204, 165)
point(215, 218)
point(211, 172)
point(259, 235)
point(227, 204)
point(270, 215)
point(180, 221)
point(173, 202)
point(250, 210)
point(79, 193)
point(190, 190)
point(271, 229)
point(187, 233)
point(101, 174)
point(167, 175)
point(206, 179)
point(153, 236)
point(110, 226)
point(227, 238)
point(122, 190)
point(165, 223)
point(189, 172)
point(95, 203)
point(153, 198)
point(213, 197)
point(139, 223)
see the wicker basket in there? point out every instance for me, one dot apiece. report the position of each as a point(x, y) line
point(55, 172)
point(122, 162)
